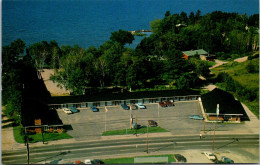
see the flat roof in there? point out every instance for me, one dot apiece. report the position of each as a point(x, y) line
point(120, 96)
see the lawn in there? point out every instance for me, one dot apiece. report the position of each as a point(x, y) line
point(239, 73)
point(132, 131)
point(38, 137)
point(131, 159)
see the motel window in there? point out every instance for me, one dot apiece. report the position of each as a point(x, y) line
point(46, 128)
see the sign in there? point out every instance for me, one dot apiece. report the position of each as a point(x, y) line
point(217, 111)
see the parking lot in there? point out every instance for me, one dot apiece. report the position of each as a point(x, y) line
point(90, 125)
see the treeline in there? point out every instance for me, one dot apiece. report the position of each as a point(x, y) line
point(218, 33)
point(157, 60)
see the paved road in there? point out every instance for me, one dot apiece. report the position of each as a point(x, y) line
point(99, 149)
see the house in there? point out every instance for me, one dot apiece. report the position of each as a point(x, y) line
point(191, 53)
point(229, 108)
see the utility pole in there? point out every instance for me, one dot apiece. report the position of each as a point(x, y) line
point(106, 118)
point(131, 118)
point(214, 136)
point(147, 140)
point(158, 114)
point(204, 127)
point(27, 147)
point(217, 112)
point(136, 126)
point(42, 136)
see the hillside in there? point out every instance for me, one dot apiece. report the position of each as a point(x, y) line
point(239, 72)
point(246, 76)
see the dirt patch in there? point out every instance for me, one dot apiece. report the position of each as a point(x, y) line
point(243, 59)
point(218, 63)
point(51, 86)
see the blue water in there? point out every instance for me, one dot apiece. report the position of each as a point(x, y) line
point(90, 22)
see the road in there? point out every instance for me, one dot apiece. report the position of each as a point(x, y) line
point(101, 148)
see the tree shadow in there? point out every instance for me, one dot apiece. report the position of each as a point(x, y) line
point(7, 120)
point(8, 125)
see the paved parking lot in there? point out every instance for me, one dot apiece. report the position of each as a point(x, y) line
point(90, 125)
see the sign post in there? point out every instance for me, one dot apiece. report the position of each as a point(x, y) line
point(217, 112)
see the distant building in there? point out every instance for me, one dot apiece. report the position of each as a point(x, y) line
point(229, 108)
point(201, 53)
point(191, 53)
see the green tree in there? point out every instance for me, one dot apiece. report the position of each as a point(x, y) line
point(122, 37)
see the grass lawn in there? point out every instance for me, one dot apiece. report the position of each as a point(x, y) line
point(239, 73)
point(132, 131)
point(38, 137)
point(131, 159)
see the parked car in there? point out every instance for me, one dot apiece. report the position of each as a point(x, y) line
point(180, 158)
point(94, 109)
point(152, 123)
point(226, 160)
point(67, 110)
point(169, 103)
point(210, 156)
point(74, 110)
point(97, 161)
point(141, 106)
point(125, 107)
point(87, 161)
point(162, 104)
point(136, 126)
point(78, 162)
point(196, 117)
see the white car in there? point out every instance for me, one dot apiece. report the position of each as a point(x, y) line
point(210, 156)
point(141, 106)
point(87, 161)
point(67, 110)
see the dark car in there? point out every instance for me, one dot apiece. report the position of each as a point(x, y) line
point(169, 103)
point(125, 107)
point(152, 123)
point(97, 161)
point(136, 126)
point(162, 104)
point(74, 110)
point(180, 158)
point(226, 160)
point(94, 108)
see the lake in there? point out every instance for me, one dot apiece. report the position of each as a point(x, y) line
point(90, 22)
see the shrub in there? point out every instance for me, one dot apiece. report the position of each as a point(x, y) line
point(252, 68)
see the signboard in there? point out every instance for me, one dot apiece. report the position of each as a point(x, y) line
point(217, 111)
